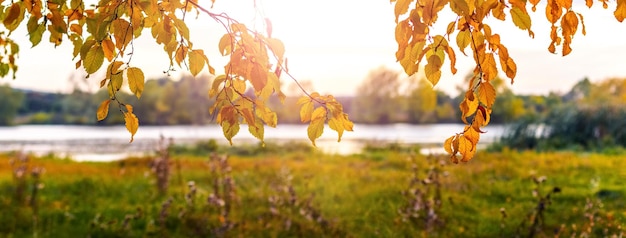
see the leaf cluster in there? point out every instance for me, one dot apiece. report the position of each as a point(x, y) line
point(417, 43)
point(103, 36)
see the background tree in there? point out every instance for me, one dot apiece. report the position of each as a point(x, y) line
point(378, 97)
point(10, 102)
point(422, 101)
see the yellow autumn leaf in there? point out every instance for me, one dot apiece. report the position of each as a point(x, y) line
point(248, 116)
point(447, 145)
point(93, 59)
point(487, 94)
point(131, 121)
point(337, 124)
point(196, 61)
point(230, 129)
point(103, 110)
point(468, 107)
point(401, 7)
point(471, 134)
point(108, 48)
point(267, 115)
point(521, 18)
point(257, 130)
point(180, 55)
point(114, 68)
point(225, 45)
point(433, 69)
point(452, 57)
point(122, 32)
point(306, 111)
point(460, 7)
point(466, 148)
point(463, 40)
point(488, 65)
point(136, 80)
point(277, 47)
point(316, 127)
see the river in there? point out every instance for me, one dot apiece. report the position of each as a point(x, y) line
point(105, 143)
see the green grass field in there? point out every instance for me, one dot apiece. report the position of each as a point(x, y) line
point(287, 193)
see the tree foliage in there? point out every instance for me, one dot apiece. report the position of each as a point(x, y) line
point(103, 37)
point(417, 42)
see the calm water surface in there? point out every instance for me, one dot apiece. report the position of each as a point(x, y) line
point(103, 143)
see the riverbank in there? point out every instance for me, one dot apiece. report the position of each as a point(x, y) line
point(108, 143)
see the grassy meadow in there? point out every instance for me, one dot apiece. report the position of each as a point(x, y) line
point(294, 191)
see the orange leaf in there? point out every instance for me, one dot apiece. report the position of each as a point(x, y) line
point(108, 48)
point(433, 69)
point(620, 10)
point(103, 110)
point(487, 94)
point(471, 134)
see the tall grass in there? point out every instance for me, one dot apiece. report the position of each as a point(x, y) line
point(307, 194)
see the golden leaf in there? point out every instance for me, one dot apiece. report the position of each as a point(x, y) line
point(122, 32)
point(481, 118)
point(225, 45)
point(401, 7)
point(521, 18)
point(306, 112)
point(468, 106)
point(582, 22)
point(93, 59)
point(180, 55)
point(460, 7)
point(498, 11)
point(463, 40)
point(569, 23)
point(136, 80)
point(76, 29)
point(567, 4)
point(433, 69)
point(182, 28)
point(108, 48)
point(620, 10)
point(196, 61)
point(267, 115)
point(534, 3)
point(230, 129)
point(466, 148)
point(553, 11)
point(257, 130)
point(103, 110)
point(248, 116)
point(487, 94)
point(131, 121)
point(447, 145)
point(488, 64)
point(472, 135)
point(431, 9)
point(277, 47)
point(452, 57)
point(316, 127)
point(340, 123)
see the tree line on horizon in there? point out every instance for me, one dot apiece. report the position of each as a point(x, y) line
point(384, 97)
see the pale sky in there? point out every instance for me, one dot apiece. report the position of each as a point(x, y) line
point(335, 43)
